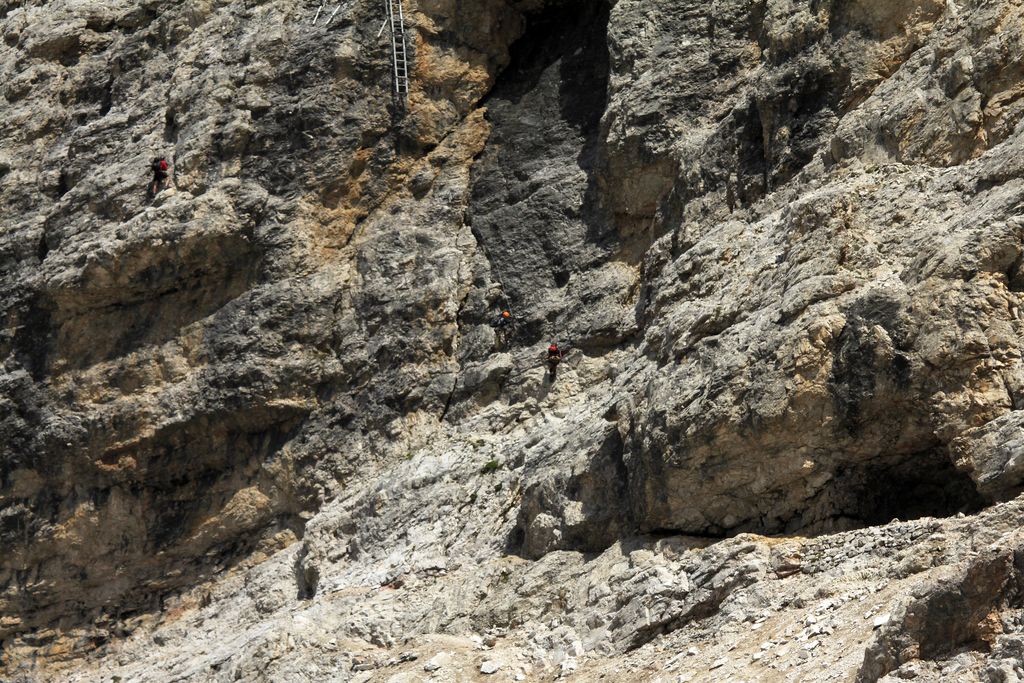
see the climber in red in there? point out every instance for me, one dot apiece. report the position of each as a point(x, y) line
point(554, 358)
point(160, 169)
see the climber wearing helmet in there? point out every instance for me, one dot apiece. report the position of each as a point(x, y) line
point(502, 325)
point(505, 318)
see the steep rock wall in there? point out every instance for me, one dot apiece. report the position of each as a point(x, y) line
point(780, 239)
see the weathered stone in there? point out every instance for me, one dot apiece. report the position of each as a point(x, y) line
point(260, 428)
point(993, 455)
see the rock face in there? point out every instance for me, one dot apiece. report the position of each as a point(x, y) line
point(259, 427)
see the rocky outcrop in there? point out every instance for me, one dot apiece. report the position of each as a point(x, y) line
point(260, 426)
point(991, 455)
point(166, 363)
point(960, 611)
point(812, 314)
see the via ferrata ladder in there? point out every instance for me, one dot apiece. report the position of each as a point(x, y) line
point(399, 57)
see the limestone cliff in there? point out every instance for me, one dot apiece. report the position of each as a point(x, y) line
point(259, 427)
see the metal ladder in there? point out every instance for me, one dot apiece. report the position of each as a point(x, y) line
point(399, 56)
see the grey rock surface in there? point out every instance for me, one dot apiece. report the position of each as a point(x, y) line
point(259, 427)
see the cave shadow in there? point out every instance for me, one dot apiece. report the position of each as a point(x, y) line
point(562, 58)
point(913, 487)
point(583, 105)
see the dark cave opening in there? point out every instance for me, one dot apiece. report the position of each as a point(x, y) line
point(864, 492)
point(926, 484)
point(883, 489)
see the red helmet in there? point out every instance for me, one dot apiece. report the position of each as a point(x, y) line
point(505, 314)
point(553, 347)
